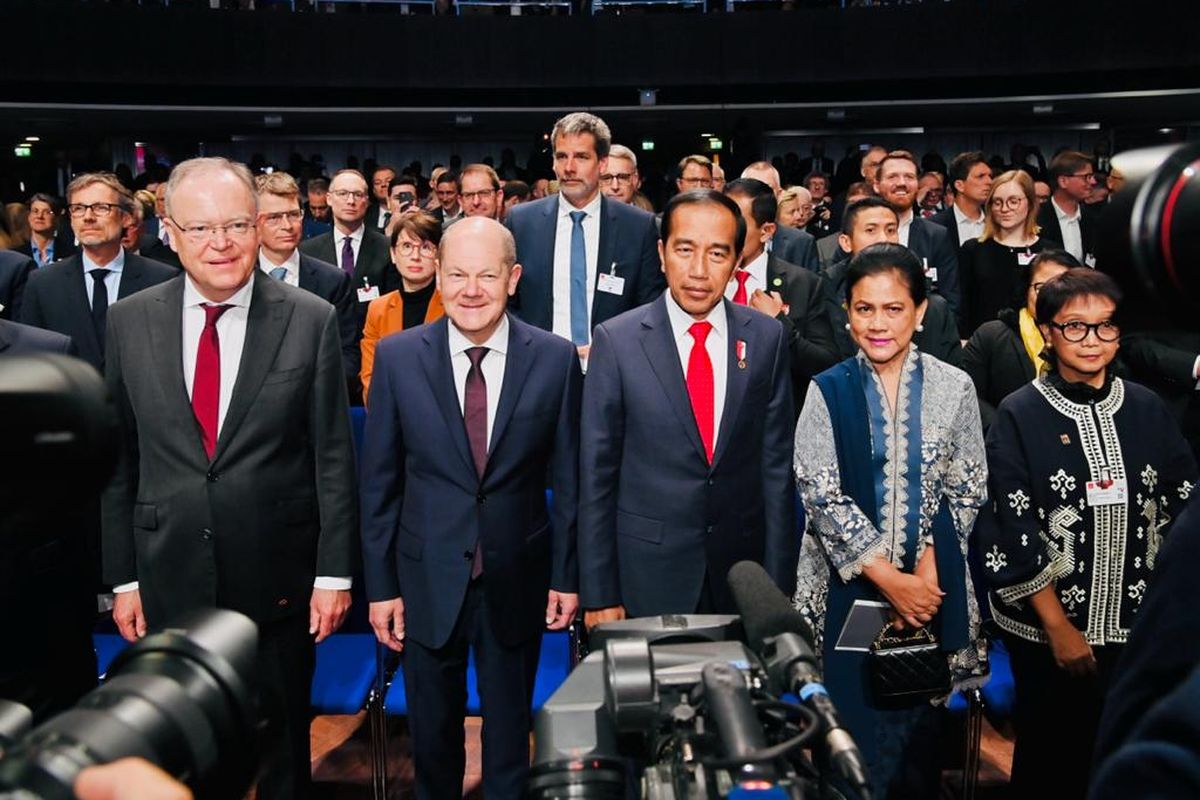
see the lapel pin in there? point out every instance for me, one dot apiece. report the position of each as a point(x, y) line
point(741, 353)
point(1065, 439)
point(777, 282)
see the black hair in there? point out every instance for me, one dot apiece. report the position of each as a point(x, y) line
point(850, 215)
point(516, 189)
point(887, 257)
point(404, 180)
point(961, 165)
point(763, 205)
point(1076, 282)
point(1027, 271)
point(447, 177)
point(704, 197)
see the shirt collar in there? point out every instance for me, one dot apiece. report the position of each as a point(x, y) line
point(758, 267)
point(962, 218)
point(498, 341)
point(592, 209)
point(905, 219)
point(116, 265)
point(193, 297)
point(356, 236)
point(292, 262)
point(681, 321)
point(1064, 216)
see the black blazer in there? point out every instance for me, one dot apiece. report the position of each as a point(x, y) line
point(1047, 219)
point(64, 244)
point(939, 250)
point(18, 339)
point(805, 323)
point(795, 247)
point(56, 299)
point(15, 269)
point(946, 219)
point(333, 286)
point(152, 247)
point(374, 262)
point(996, 360)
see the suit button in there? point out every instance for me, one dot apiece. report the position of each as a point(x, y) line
point(480, 499)
point(710, 481)
point(468, 555)
point(709, 529)
point(283, 601)
point(213, 477)
point(206, 534)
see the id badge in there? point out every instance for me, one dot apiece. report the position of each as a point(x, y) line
point(607, 282)
point(1117, 491)
point(1089, 261)
point(1024, 259)
point(930, 272)
point(368, 293)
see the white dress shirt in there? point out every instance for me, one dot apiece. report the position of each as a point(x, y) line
point(112, 281)
point(967, 228)
point(905, 225)
point(757, 280)
point(292, 265)
point(231, 333)
point(339, 241)
point(1071, 233)
point(717, 345)
point(492, 366)
point(562, 262)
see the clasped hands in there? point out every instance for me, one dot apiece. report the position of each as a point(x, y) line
point(915, 598)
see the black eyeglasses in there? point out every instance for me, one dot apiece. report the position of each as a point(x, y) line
point(1107, 331)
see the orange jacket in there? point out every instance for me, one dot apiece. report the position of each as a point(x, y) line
point(385, 316)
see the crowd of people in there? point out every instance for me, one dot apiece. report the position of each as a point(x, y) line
point(925, 359)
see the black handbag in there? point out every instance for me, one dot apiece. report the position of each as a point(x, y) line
point(907, 665)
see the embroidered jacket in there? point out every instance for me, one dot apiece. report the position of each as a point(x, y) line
point(1096, 546)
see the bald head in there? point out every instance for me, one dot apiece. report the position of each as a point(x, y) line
point(485, 231)
point(763, 171)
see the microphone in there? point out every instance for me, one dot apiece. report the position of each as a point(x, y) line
point(782, 639)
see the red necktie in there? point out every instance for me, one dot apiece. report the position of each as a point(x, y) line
point(739, 296)
point(700, 385)
point(206, 382)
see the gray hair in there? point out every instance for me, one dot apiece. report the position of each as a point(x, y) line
point(199, 166)
point(621, 151)
point(581, 122)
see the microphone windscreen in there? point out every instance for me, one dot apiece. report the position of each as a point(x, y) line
point(764, 609)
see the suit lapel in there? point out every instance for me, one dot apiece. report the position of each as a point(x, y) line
point(266, 324)
point(435, 358)
point(166, 327)
point(658, 342)
point(307, 278)
point(549, 234)
point(736, 377)
point(517, 363)
point(132, 277)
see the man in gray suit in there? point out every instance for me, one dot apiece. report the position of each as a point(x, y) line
point(235, 484)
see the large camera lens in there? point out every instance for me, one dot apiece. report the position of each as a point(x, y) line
point(1147, 237)
point(181, 698)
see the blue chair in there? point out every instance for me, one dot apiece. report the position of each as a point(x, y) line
point(345, 673)
point(108, 647)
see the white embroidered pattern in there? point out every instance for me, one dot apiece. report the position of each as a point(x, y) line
point(1072, 597)
point(1185, 490)
point(995, 560)
point(1062, 483)
point(1018, 501)
point(1150, 478)
point(1137, 591)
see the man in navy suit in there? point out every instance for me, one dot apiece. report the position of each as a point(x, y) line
point(585, 257)
point(280, 226)
point(686, 436)
point(18, 339)
point(460, 550)
point(14, 273)
point(793, 245)
point(72, 296)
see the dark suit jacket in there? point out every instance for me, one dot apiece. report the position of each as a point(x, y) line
point(252, 528)
point(654, 517)
point(939, 250)
point(939, 337)
point(996, 360)
point(56, 299)
point(805, 323)
point(947, 220)
point(64, 244)
point(18, 339)
point(628, 239)
point(333, 286)
point(15, 269)
point(795, 247)
point(372, 218)
point(151, 247)
point(829, 250)
point(374, 262)
point(424, 506)
point(1047, 220)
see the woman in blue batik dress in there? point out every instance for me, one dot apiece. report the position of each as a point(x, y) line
point(1088, 472)
point(890, 463)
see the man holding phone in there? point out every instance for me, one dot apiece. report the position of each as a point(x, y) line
point(402, 196)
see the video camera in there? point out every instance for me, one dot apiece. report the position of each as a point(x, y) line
point(699, 706)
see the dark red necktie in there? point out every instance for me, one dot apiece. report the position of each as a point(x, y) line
point(739, 296)
point(475, 417)
point(700, 385)
point(206, 382)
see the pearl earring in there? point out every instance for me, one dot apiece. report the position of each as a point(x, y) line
point(920, 327)
point(847, 326)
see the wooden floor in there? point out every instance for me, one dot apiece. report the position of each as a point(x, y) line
point(341, 761)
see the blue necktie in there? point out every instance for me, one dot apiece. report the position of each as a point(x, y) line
point(279, 273)
point(579, 309)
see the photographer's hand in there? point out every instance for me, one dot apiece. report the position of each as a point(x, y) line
point(128, 615)
point(600, 615)
point(129, 779)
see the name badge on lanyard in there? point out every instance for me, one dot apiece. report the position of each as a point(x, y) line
point(1107, 491)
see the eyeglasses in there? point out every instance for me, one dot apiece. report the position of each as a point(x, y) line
point(348, 194)
point(1037, 286)
point(1107, 331)
point(99, 209)
point(426, 248)
point(703, 182)
point(1011, 202)
point(471, 197)
point(281, 219)
point(617, 177)
point(199, 234)
point(1087, 176)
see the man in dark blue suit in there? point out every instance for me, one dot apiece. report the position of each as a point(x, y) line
point(18, 339)
point(14, 272)
point(460, 550)
point(585, 258)
point(686, 437)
